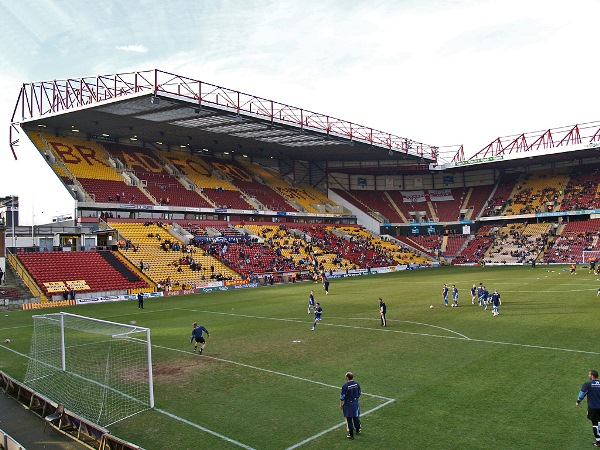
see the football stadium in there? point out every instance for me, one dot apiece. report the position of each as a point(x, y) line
point(196, 203)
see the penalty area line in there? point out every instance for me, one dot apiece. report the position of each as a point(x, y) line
point(335, 427)
point(248, 366)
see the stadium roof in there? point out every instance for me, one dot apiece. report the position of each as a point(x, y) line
point(164, 109)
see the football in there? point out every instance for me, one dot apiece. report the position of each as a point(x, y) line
point(133, 322)
point(7, 341)
point(430, 306)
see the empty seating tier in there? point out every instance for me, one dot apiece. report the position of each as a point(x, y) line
point(53, 269)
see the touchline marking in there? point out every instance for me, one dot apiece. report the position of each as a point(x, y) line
point(542, 347)
point(144, 312)
point(15, 328)
point(14, 351)
point(335, 427)
point(214, 433)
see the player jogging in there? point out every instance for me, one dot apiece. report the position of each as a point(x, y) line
point(311, 301)
point(318, 312)
point(198, 337)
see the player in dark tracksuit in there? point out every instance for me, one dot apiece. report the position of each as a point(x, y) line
point(382, 311)
point(349, 404)
point(591, 389)
point(496, 302)
point(311, 301)
point(445, 294)
point(480, 294)
point(198, 337)
point(318, 313)
point(485, 297)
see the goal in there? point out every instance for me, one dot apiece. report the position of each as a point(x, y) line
point(590, 255)
point(101, 371)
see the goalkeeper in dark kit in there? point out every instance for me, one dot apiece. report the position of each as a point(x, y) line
point(197, 335)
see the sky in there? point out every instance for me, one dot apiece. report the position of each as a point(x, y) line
point(446, 73)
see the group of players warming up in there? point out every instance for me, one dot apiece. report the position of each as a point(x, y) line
point(479, 295)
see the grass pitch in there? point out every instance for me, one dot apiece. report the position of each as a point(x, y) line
point(441, 377)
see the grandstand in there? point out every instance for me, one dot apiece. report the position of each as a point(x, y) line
point(184, 189)
point(181, 187)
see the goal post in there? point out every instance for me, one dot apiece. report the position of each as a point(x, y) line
point(590, 255)
point(100, 370)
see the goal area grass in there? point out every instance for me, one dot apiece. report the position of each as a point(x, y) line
point(441, 377)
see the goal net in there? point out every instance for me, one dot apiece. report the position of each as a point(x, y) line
point(101, 371)
point(590, 255)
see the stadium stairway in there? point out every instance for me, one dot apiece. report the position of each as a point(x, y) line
point(119, 266)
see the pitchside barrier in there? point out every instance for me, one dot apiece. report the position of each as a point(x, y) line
point(29, 306)
point(8, 443)
point(77, 427)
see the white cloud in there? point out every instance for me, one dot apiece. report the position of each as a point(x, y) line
point(132, 48)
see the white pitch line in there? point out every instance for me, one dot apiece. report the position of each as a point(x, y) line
point(322, 433)
point(214, 433)
point(15, 328)
point(233, 441)
point(408, 321)
point(387, 330)
point(248, 366)
point(14, 351)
